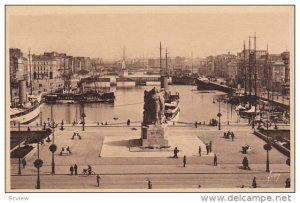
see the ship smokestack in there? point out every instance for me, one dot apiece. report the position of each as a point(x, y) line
point(22, 91)
point(164, 82)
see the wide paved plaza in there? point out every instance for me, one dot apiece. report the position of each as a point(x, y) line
point(107, 150)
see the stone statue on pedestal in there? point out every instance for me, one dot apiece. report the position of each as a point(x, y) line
point(154, 107)
point(153, 126)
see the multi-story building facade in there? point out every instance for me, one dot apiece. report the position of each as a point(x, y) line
point(81, 64)
point(218, 66)
point(18, 66)
point(286, 59)
point(278, 74)
point(48, 66)
point(18, 69)
point(232, 69)
point(48, 71)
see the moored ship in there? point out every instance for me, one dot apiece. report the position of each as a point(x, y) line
point(96, 97)
point(25, 114)
point(203, 84)
point(86, 97)
point(183, 80)
point(211, 84)
point(87, 91)
point(172, 108)
point(27, 109)
point(68, 98)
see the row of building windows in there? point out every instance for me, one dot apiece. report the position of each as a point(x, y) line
point(44, 66)
point(43, 62)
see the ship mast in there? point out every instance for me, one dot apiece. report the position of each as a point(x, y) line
point(30, 74)
point(166, 73)
point(245, 69)
point(163, 73)
point(268, 72)
point(94, 78)
point(160, 59)
point(255, 74)
point(11, 84)
point(192, 63)
point(250, 76)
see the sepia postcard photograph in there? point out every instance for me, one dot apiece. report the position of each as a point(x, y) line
point(149, 98)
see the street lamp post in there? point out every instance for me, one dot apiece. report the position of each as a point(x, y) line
point(19, 171)
point(83, 116)
point(83, 121)
point(267, 147)
point(219, 114)
point(53, 147)
point(38, 163)
point(62, 125)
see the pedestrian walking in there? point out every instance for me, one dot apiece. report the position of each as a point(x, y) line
point(128, 122)
point(232, 136)
point(199, 151)
point(75, 169)
point(98, 178)
point(210, 146)
point(215, 160)
point(71, 170)
point(207, 148)
point(24, 162)
point(245, 163)
point(175, 152)
point(253, 125)
point(288, 183)
point(184, 161)
point(254, 185)
point(149, 184)
point(196, 124)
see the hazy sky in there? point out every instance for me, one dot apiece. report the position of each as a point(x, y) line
point(103, 34)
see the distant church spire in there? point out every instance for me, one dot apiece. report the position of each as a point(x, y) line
point(123, 53)
point(124, 72)
point(123, 61)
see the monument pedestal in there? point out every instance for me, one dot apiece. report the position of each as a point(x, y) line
point(154, 136)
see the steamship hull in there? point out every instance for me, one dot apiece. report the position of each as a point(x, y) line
point(183, 80)
point(203, 84)
point(24, 116)
point(172, 109)
point(87, 97)
point(172, 115)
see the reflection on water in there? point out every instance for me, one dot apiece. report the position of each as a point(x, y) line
point(194, 106)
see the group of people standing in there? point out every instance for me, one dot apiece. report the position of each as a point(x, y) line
point(76, 134)
point(74, 169)
point(64, 150)
point(208, 147)
point(229, 135)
